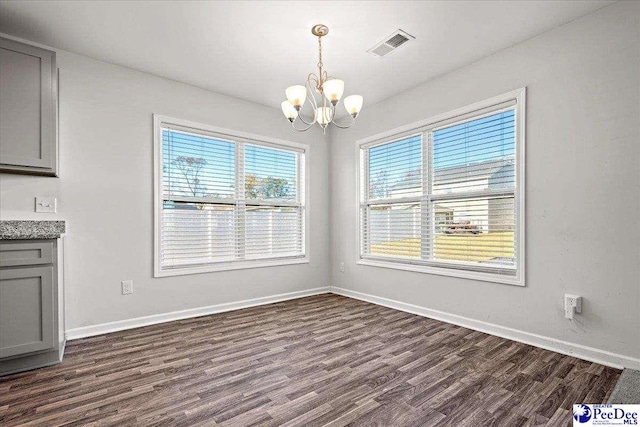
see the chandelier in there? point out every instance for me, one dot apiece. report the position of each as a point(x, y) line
point(330, 91)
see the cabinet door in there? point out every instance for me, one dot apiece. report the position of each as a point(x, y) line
point(28, 139)
point(26, 310)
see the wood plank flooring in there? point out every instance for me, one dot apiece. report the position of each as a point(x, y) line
point(323, 360)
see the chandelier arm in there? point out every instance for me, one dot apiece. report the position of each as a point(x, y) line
point(333, 117)
point(305, 122)
point(313, 78)
point(344, 126)
point(312, 100)
point(303, 129)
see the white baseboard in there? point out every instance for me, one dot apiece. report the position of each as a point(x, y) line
point(576, 350)
point(104, 328)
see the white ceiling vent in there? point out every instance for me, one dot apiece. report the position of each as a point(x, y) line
point(391, 43)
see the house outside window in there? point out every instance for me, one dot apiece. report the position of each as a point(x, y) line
point(446, 196)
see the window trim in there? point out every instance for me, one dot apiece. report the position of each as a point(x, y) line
point(235, 136)
point(447, 119)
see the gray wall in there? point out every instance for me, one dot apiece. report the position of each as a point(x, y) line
point(583, 184)
point(105, 192)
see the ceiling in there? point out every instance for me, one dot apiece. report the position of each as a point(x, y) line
point(254, 50)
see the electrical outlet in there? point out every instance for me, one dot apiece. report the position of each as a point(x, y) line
point(127, 287)
point(342, 267)
point(572, 303)
point(46, 204)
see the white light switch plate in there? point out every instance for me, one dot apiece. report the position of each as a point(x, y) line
point(46, 204)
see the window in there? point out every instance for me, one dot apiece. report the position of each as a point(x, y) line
point(226, 200)
point(445, 196)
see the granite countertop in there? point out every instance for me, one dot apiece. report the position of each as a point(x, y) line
point(17, 230)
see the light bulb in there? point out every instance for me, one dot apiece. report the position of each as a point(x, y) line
point(323, 115)
point(333, 90)
point(289, 111)
point(296, 95)
point(353, 104)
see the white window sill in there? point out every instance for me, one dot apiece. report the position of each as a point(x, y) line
point(236, 265)
point(443, 271)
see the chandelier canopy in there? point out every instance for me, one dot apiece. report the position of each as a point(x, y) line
point(330, 91)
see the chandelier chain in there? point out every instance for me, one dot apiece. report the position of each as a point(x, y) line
point(320, 61)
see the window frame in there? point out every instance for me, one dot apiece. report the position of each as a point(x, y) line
point(160, 122)
point(425, 127)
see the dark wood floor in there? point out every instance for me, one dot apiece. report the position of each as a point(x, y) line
point(323, 360)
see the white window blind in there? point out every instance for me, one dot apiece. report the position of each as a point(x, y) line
point(445, 196)
point(226, 201)
point(274, 217)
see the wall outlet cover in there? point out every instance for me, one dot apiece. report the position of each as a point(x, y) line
point(127, 287)
point(572, 304)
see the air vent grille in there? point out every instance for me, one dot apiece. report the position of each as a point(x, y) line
point(391, 43)
point(397, 40)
